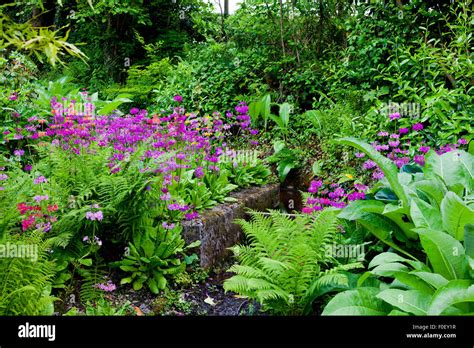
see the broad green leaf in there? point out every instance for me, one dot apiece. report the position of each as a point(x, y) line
point(153, 285)
point(454, 167)
point(455, 292)
point(266, 107)
point(433, 279)
point(396, 312)
point(386, 257)
point(469, 239)
point(455, 214)
point(278, 146)
point(194, 244)
point(313, 117)
point(387, 166)
point(413, 282)
point(284, 168)
point(398, 215)
point(446, 254)
point(433, 188)
point(389, 269)
point(113, 105)
point(316, 168)
point(148, 247)
point(255, 109)
point(382, 228)
point(126, 280)
point(362, 301)
point(285, 110)
point(386, 195)
point(425, 215)
point(160, 281)
point(355, 209)
point(85, 262)
point(411, 301)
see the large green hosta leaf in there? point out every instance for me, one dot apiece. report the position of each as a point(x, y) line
point(433, 279)
point(456, 214)
point(414, 282)
point(411, 301)
point(455, 168)
point(433, 188)
point(425, 215)
point(387, 166)
point(362, 301)
point(355, 209)
point(446, 254)
point(455, 292)
point(469, 240)
point(382, 228)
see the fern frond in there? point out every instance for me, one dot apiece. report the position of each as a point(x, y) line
point(282, 267)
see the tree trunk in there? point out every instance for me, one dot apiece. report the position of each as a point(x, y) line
point(281, 29)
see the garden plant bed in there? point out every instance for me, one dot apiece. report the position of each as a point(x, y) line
point(203, 298)
point(294, 158)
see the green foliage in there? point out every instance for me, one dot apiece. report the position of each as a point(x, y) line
point(102, 307)
point(260, 107)
point(286, 159)
point(92, 275)
point(219, 186)
point(38, 41)
point(152, 257)
point(26, 276)
point(439, 211)
point(246, 169)
point(416, 288)
point(283, 119)
point(437, 198)
point(285, 266)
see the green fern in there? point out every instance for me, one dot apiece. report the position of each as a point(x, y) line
point(92, 276)
point(25, 283)
point(285, 267)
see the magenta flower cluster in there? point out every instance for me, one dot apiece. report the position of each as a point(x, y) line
point(332, 196)
point(163, 146)
point(403, 147)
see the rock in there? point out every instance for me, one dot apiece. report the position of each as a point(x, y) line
point(215, 228)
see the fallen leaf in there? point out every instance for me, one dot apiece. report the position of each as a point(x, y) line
point(138, 311)
point(210, 300)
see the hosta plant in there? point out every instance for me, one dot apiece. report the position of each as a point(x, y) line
point(438, 196)
point(286, 265)
point(444, 285)
point(437, 206)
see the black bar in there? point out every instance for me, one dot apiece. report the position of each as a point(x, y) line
point(223, 331)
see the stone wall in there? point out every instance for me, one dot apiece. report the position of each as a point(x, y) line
point(215, 228)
